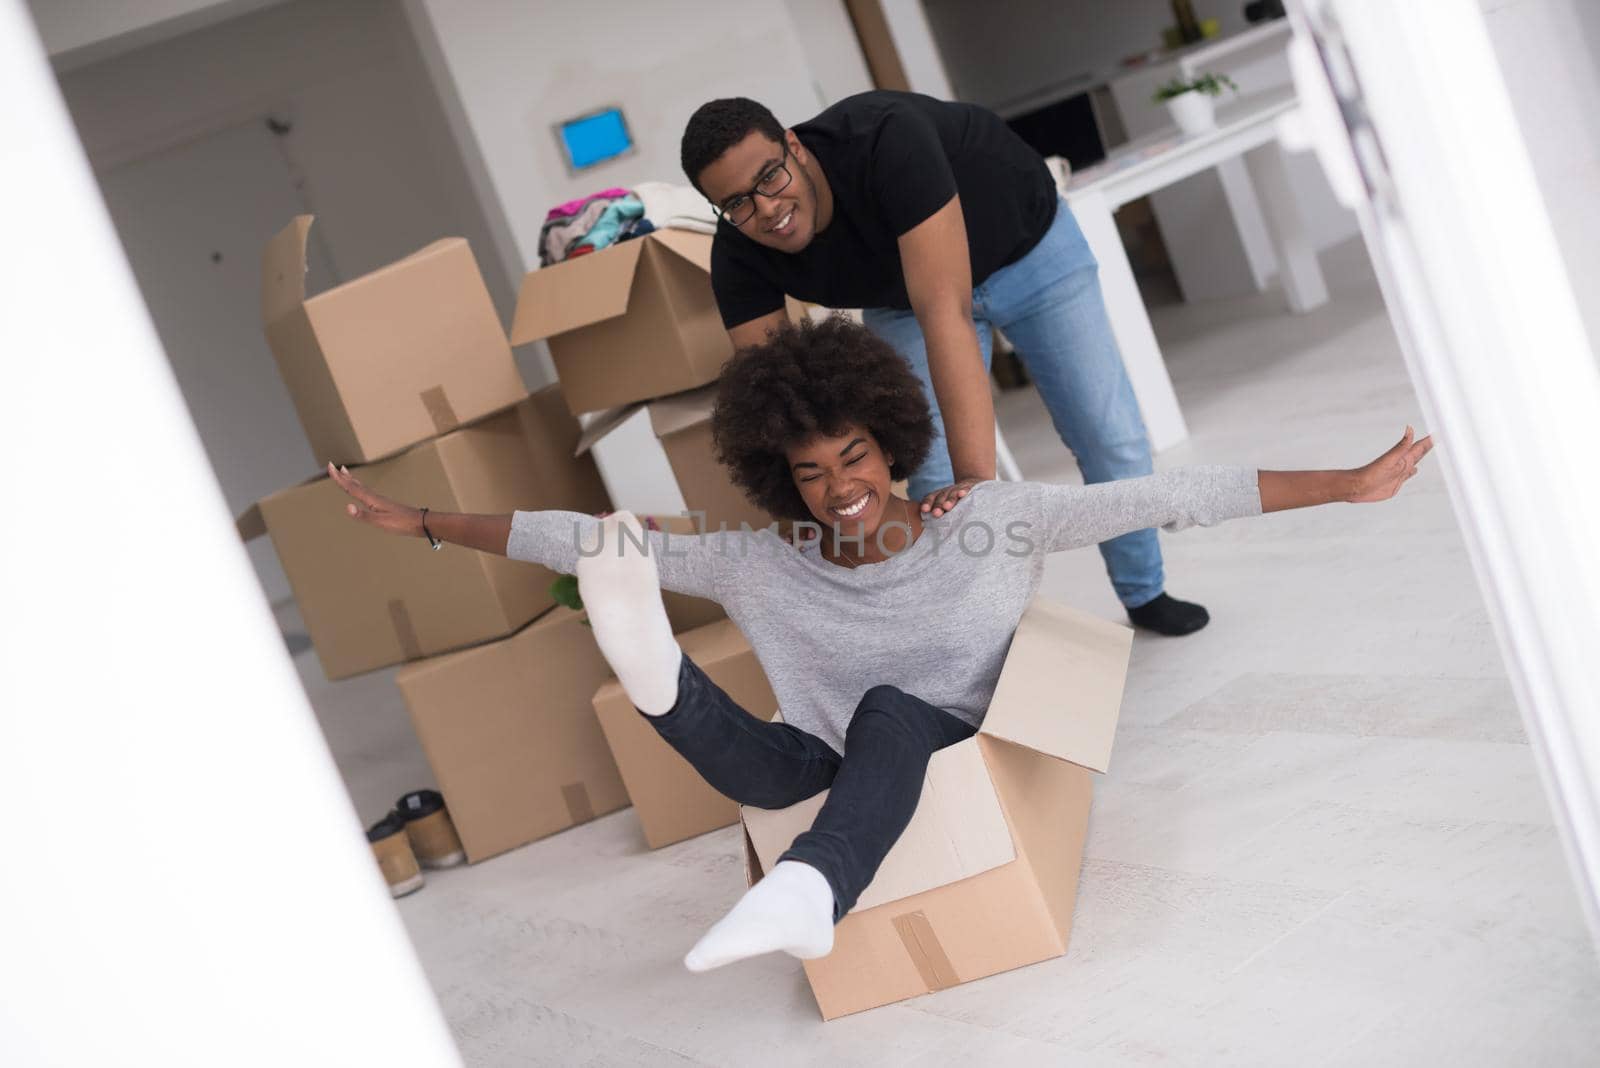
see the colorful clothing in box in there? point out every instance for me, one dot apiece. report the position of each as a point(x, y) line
point(587, 224)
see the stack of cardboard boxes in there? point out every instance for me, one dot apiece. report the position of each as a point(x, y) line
point(636, 326)
point(407, 372)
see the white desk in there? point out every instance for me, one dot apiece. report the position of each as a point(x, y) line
point(1249, 127)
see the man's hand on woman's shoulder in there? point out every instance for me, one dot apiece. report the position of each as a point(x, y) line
point(941, 501)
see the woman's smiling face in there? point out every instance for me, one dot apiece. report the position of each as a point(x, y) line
point(844, 479)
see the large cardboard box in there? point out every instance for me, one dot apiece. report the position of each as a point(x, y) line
point(510, 733)
point(985, 876)
point(394, 357)
point(628, 323)
point(371, 599)
point(671, 799)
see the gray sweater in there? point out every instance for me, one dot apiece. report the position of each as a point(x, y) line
point(935, 620)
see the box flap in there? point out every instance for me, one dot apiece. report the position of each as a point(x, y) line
point(668, 415)
point(250, 524)
point(574, 293)
point(1060, 691)
point(602, 423)
point(379, 276)
point(958, 830)
point(692, 246)
point(283, 270)
point(752, 866)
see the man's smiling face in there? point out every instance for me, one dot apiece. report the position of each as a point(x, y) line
point(786, 220)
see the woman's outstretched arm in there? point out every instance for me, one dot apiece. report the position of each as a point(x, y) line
point(486, 533)
point(556, 539)
point(1075, 516)
point(1377, 481)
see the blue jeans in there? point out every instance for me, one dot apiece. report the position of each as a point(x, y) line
point(873, 789)
point(1049, 305)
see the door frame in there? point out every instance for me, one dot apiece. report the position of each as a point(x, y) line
point(1408, 110)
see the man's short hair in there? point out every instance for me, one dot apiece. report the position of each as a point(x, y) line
point(718, 126)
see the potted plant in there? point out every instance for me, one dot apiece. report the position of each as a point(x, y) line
point(1193, 103)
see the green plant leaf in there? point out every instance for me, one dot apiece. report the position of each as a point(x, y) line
point(564, 591)
point(1211, 84)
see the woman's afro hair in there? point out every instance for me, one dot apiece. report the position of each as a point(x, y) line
point(809, 379)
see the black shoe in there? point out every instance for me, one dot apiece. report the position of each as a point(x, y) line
point(1167, 615)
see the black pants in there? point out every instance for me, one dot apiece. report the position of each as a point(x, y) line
point(875, 786)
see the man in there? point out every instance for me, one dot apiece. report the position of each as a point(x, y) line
point(940, 223)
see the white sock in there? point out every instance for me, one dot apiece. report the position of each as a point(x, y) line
point(622, 594)
point(791, 909)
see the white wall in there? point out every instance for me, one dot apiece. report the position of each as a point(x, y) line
point(517, 69)
point(368, 136)
point(1000, 50)
point(76, 32)
point(832, 51)
point(372, 155)
point(1549, 54)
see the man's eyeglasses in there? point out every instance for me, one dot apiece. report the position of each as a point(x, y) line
point(737, 210)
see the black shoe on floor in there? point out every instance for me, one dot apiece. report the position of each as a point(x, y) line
point(1167, 615)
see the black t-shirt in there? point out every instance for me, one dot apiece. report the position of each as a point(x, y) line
point(892, 160)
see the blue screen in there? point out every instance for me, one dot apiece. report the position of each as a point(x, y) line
point(595, 138)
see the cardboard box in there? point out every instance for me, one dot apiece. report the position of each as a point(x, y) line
point(671, 799)
point(371, 599)
point(985, 876)
point(392, 358)
point(682, 424)
point(685, 613)
point(628, 323)
point(510, 733)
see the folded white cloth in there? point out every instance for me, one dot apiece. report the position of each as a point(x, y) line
point(678, 206)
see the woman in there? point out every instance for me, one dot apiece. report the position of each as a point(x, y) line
point(883, 636)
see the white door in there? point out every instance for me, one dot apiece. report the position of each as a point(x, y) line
point(1408, 110)
point(194, 219)
point(139, 669)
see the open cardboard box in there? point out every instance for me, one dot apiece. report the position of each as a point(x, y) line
point(628, 323)
point(510, 733)
point(387, 360)
point(670, 798)
point(985, 876)
point(370, 599)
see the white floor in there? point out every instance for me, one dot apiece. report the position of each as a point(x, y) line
point(1322, 839)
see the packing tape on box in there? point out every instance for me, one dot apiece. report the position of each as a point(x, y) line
point(577, 798)
point(404, 632)
point(439, 410)
point(926, 953)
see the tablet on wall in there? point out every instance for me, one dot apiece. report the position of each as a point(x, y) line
point(594, 138)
